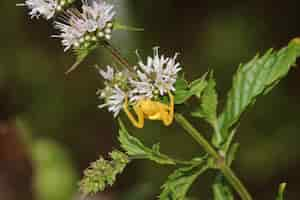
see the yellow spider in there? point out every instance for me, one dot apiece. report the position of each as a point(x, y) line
point(153, 110)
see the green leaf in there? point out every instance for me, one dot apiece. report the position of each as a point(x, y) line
point(208, 108)
point(198, 85)
point(179, 182)
point(281, 190)
point(184, 91)
point(181, 84)
point(221, 190)
point(181, 96)
point(227, 145)
point(134, 147)
point(209, 102)
point(118, 26)
point(255, 78)
point(231, 153)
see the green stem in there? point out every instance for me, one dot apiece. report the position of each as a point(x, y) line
point(227, 172)
point(184, 162)
point(175, 161)
point(235, 182)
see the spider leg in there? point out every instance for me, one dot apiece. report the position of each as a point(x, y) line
point(167, 117)
point(171, 106)
point(139, 123)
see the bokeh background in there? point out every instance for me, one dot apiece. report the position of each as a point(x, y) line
point(50, 127)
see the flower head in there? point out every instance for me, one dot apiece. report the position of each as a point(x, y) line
point(97, 14)
point(115, 90)
point(156, 77)
point(45, 8)
point(86, 28)
point(145, 81)
point(114, 101)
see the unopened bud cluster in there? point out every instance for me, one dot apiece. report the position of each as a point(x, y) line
point(63, 4)
point(102, 173)
point(91, 39)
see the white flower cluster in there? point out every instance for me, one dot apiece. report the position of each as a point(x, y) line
point(114, 92)
point(85, 28)
point(147, 81)
point(156, 77)
point(78, 28)
point(45, 8)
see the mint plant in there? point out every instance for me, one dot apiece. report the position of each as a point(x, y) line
point(152, 90)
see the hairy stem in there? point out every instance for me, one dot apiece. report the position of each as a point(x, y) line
point(175, 161)
point(116, 54)
point(227, 172)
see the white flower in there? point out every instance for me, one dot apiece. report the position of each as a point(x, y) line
point(143, 88)
point(72, 29)
point(107, 75)
point(45, 8)
point(98, 13)
point(114, 101)
point(114, 92)
point(78, 27)
point(157, 76)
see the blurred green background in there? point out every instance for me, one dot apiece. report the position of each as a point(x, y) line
point(50, 127)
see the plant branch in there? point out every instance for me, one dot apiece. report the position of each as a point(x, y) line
point(116, 54)
point(176, 161)
point(228, 173)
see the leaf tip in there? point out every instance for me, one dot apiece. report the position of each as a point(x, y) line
point(282, 187)
point(72, 68)
point(296, 40)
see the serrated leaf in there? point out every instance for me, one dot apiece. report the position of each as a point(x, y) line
point(209, 101)
point(179, 182)
point(181, 84)
point(281, 190)
point(255, 78)
point(197, 86)
point(208, 108)
point(134, 147)
point(221, 190)
point(181, 96)
point(184, 91)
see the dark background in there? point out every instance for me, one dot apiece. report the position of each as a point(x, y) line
point(50, 126)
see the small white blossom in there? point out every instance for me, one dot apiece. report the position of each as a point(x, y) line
point(143, 88)
point(77, 27)
point(45, 8)
point(107, 75)
point(113, 93)
point(72, 29)
point(97, 14)
point(114, 101)
point(157, 76)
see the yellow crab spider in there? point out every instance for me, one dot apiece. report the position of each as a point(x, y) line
point(153, 110)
